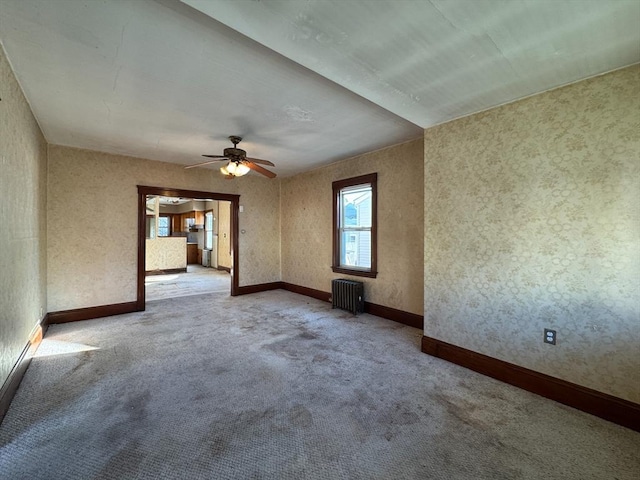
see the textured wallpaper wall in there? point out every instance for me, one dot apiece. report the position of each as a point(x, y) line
point(260, 231)
point(165, 253)
point(23, 236)
point(532, 220)
point(224, 234)
point(92, 223)
point(307, 225)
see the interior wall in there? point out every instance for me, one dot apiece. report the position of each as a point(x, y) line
point(306, 201)
point(224, 234)
point(213, 206)
point(532, 220)
point(23, 236)
point(260, 230)
point(92, 223)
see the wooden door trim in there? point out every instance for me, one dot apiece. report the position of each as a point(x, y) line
point(144, 190)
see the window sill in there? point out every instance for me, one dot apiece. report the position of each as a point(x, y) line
point(356, 273)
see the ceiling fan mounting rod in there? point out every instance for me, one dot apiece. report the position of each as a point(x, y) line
point(235, 140)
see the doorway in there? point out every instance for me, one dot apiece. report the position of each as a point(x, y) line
point(188, 247)
point(175, 222)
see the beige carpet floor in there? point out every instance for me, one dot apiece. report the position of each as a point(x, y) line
point(196, 281)
point(280, 386)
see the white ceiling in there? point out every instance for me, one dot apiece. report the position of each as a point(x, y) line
point(305, 82)
point(168, 200)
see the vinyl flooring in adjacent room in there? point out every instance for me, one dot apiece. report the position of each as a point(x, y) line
point(197, 280)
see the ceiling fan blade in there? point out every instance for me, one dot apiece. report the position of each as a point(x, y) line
point(206, 163)
point(260, 162)
point(220, 157)
point(259, 169)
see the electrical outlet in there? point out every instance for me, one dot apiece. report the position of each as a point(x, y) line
point(549, 336)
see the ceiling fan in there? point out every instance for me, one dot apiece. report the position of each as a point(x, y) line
point(239, 164)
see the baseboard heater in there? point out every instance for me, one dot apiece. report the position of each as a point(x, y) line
point(347, 295)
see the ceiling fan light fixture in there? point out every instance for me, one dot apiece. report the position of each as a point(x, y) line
point(236, 169)
point(238, 162)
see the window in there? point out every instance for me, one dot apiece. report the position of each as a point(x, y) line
point(151, 226)
point(164, 226)
point(208, 230)
point(355, 225)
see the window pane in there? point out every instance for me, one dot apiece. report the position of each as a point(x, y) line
point(208, 230)
point(356, 248)
point(164, 226)
point(151, 227)
point(355, 206)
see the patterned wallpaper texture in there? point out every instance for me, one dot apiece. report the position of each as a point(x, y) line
point(260, 231)
point(23, 205)
point(165, 253)
point(532, 220)
point(224, 234)
point(92, 223)
point(306, 201)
